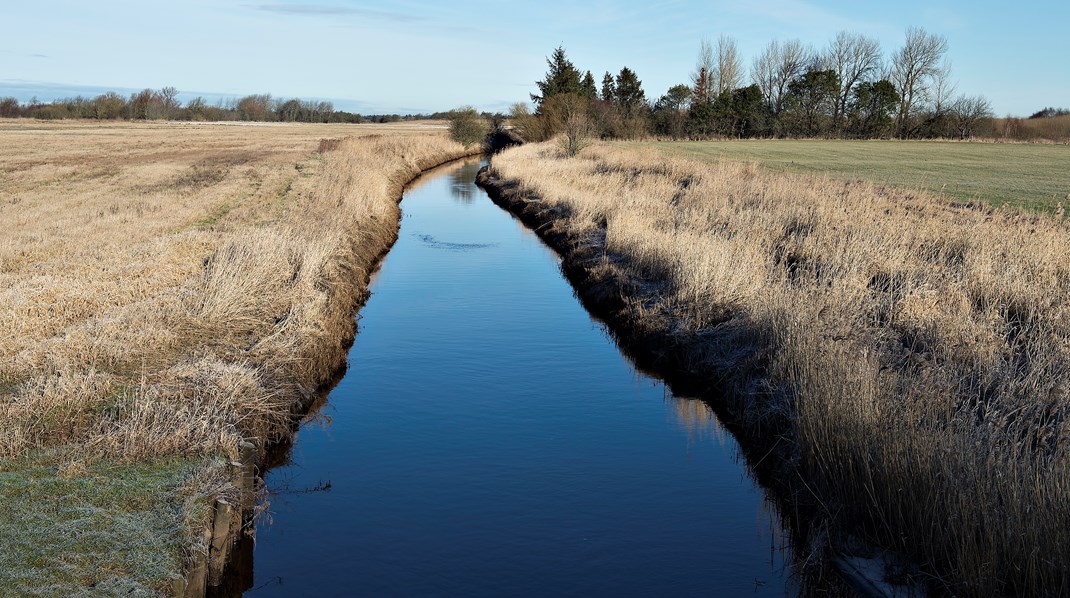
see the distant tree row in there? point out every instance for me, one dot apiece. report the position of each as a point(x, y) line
point(1049, 112)
point(162, 104)
point(848, 89)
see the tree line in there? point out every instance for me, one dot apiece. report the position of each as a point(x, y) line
point(163, 104)
point(848, 89)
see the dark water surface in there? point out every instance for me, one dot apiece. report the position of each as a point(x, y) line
point(490, 439)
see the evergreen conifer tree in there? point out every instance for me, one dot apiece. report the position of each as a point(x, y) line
point(587, 88)
point(609, 90)
point(561, 78)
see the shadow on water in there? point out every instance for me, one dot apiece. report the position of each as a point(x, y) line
point(490, 438)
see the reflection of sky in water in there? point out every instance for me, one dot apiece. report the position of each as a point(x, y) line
point(489, 439)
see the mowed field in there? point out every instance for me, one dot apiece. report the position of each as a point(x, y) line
point(167, 292)
point(1031, 176)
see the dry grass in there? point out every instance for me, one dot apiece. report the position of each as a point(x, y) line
point(920, 351)
point(174, 289)
point(171, 290)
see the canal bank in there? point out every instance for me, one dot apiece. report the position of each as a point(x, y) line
point(221, 566)
point(728, 377)
point(489, 438)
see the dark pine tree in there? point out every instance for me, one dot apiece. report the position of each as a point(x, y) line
point(702, 83)
point(587, 88)
point(609, 90)
point(561, 78)
point(629, 93)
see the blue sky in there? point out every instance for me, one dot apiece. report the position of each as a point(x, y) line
point(415, 56)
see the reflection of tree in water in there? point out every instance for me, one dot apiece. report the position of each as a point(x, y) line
point(698, 418)
point(461, 181)
point(700, 422)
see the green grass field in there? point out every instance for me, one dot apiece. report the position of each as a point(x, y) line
point(1035, 177)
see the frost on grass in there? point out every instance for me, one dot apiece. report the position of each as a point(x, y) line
point(112, 529)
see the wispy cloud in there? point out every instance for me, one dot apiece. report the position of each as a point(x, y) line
point(334, 10)
point(39, 56)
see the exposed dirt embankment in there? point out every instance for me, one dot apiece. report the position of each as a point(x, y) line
point(894, 365)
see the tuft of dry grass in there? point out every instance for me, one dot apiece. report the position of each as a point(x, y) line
point(919, 351)
point(172, 291)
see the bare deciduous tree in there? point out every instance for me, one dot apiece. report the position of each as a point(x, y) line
point(777, 66)
point(943, 88)
point(912, 71)
point(702, 84)
point(729, 70)
point(763, 71)
point(854, 58)
point(168, 102)
point(968, 111)
point(569, 114)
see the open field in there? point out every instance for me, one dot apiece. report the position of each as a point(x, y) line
point(1031, 176)
point(168, 291)
point(911, 358)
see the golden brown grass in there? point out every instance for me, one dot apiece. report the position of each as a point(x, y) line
point(921, 351)
point(170, 290)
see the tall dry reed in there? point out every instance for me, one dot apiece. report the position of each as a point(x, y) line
point(919, 351)
point(1053, 129)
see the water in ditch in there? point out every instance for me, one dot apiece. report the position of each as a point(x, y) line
point(489, 439)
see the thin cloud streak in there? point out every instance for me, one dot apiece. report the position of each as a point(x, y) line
point(328, 10)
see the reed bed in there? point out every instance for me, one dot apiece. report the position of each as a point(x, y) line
point(1053, 129)
point(918, 351)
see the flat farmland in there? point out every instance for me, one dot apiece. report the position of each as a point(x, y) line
point(168, 292)
point(1030, 176)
